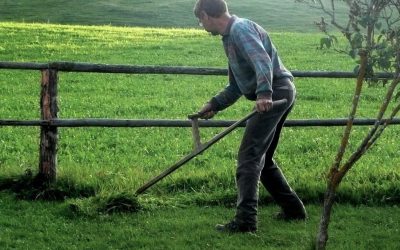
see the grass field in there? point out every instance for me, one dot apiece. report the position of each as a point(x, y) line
point(51, 227)
point(181, 210)
point(283, 15)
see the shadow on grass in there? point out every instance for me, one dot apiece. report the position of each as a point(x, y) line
point(87, 200)
point(34, 187)
point(210, 192)
point(82, 199)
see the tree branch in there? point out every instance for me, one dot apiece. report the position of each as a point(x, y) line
point(331, 14)
point(382, 128)
point(373, 135)
point(356, 98)
point(346, 167)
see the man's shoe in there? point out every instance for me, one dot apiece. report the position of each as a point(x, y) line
point(290, 217)
point(234, 227)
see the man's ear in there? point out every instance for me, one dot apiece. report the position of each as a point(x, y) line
point(203, 15)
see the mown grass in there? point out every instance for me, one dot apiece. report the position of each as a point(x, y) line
point(280, 15)
point(117, 161)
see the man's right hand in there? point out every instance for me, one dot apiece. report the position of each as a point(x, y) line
point(206, 111)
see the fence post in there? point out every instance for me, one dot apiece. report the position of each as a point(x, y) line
point(48, 134)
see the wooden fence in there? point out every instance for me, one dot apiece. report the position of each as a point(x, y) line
point(49, 122)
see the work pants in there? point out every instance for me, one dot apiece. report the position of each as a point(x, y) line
point(255, 160)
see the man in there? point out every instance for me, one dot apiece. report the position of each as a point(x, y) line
point(255, 71)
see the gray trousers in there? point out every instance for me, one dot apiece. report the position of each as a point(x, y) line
point(255, 160)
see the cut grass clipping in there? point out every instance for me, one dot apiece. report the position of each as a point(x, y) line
point(110, 204)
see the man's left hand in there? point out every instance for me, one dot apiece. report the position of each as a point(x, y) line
point(263, 104)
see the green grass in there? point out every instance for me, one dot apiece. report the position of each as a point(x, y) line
point(122, 158)
point(168, 227)
point(116, 161)
point(283, 15)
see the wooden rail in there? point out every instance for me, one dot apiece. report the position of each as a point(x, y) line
point(50, 122)
point(132, 69)
point(124, 123)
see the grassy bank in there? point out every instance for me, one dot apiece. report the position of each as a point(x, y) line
point(283, 15)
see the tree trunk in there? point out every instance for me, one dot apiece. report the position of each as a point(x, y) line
point(322, 236)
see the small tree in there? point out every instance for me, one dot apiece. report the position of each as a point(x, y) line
point(373, 33)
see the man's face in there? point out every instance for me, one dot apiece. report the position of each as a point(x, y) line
point(207, 23)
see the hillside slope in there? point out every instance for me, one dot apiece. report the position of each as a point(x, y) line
point(283, 15)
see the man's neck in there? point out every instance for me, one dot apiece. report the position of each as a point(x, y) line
point(222, 23)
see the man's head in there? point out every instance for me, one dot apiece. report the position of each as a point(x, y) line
point(213, 8)
point(209, 12)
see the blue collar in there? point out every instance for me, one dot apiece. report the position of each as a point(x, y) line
point(228, 27)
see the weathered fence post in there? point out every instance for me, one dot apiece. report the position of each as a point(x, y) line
point(48, 134)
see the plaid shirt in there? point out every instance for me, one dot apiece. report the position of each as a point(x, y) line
point(254, 63)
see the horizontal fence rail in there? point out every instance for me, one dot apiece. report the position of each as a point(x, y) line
point(49, 121)
point(132, 69)
point(118, 123)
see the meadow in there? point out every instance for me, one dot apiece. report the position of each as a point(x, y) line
point(181, 210)
point(283, 15)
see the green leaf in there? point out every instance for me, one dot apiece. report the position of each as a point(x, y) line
point(353, 53)
point(334, 38)
point(356, 69)
point(357, 40)
point(397, 97)
point(325, 41)
point(380, 37)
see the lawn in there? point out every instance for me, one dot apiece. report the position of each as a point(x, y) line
point(44, 225)
point(181, 210)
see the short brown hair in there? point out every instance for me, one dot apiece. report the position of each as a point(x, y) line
point(213, 8)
